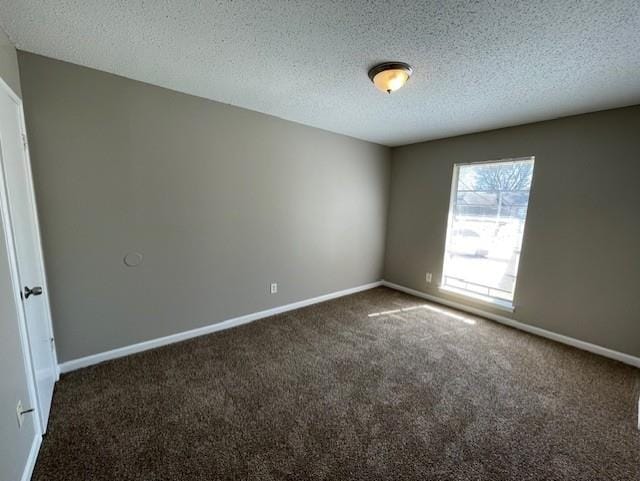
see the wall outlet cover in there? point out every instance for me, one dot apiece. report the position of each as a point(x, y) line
point(19, 414)
point(274, 288)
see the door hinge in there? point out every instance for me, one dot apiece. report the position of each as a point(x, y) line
point(24, 140)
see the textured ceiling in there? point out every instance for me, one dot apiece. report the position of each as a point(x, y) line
point(478, 64)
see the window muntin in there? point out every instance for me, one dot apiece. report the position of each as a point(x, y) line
point(487, 216)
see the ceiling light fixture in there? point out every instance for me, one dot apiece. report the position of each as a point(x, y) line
point(390, 76)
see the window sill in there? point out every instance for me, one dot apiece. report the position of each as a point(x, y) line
point(488, 301)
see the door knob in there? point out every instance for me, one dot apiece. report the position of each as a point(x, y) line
point(36, 291)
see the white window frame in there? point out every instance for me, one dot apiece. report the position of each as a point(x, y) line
point(461, 293)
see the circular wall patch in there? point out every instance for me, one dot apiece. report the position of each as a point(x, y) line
point(133, 259)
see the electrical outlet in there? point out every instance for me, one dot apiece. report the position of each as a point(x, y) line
point(274, 288)
point(19, 414)
point(428, 277)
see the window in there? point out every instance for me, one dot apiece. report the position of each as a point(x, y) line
point(487, 215)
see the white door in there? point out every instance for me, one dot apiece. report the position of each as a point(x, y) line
point(19, 198)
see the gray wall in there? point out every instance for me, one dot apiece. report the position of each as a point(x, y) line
point(9, 64)
point(580, 262)
point(220, 200)
point(14, 443)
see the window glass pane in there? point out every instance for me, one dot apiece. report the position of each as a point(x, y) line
point(486, 223)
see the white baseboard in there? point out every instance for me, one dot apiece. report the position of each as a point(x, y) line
point(31, 459)
point(201, 331)
point(586, 346)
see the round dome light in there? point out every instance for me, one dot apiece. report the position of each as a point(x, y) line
point(390, 76)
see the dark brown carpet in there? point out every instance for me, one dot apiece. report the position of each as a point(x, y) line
point(331, 393)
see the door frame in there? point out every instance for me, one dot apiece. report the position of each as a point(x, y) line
point(13, 262)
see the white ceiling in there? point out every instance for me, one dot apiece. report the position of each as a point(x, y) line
point(478, 64)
